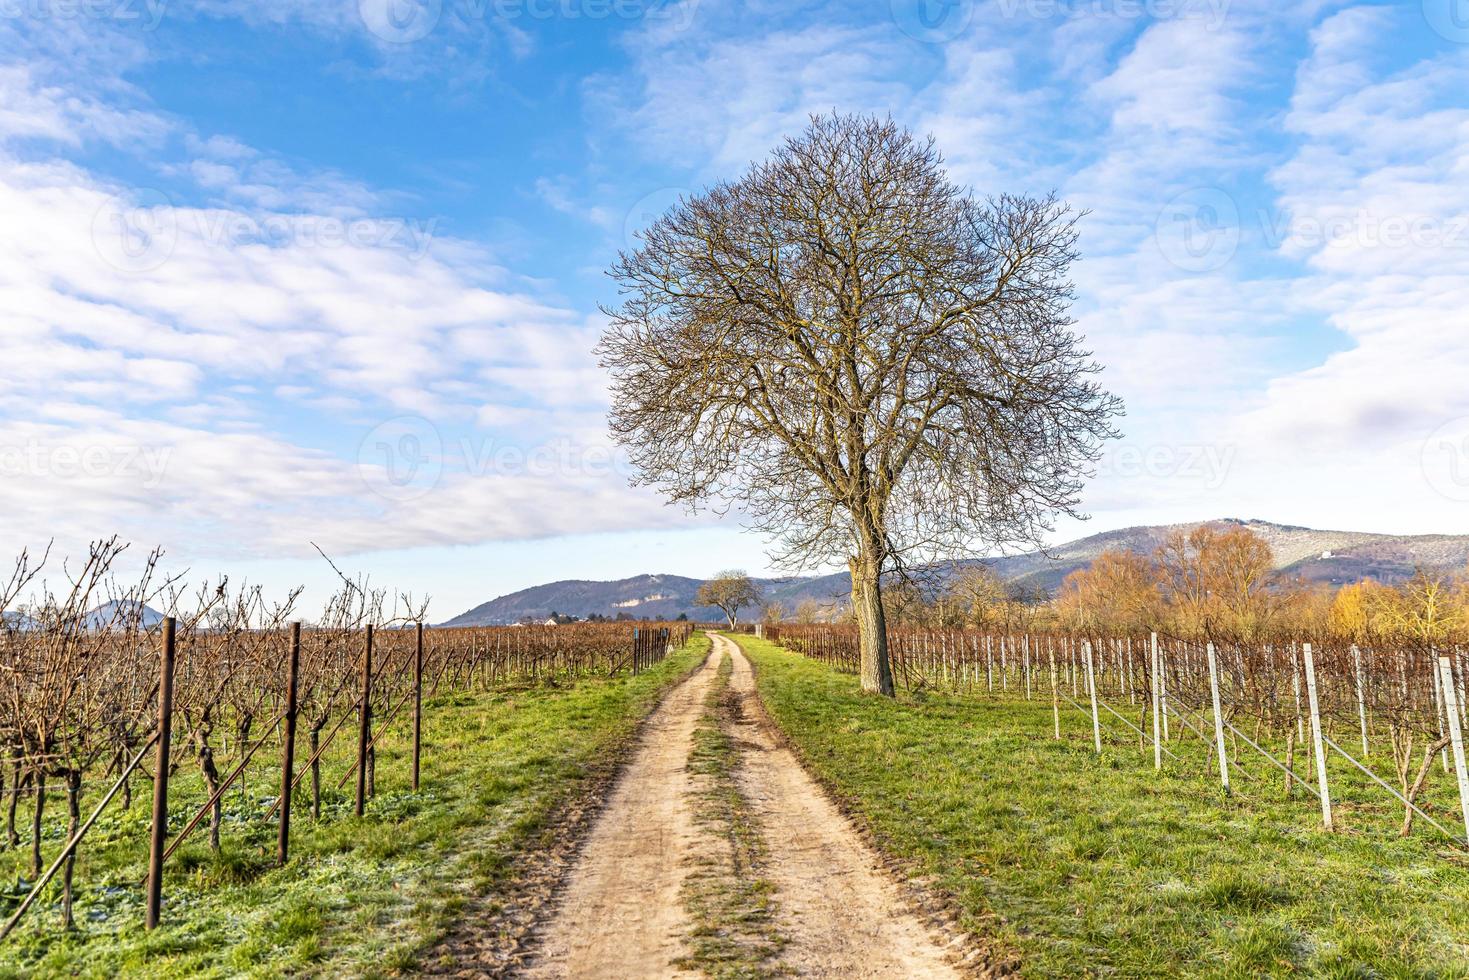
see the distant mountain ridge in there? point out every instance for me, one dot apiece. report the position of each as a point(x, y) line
point(1336, 557)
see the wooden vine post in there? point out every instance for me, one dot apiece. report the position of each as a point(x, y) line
point(158, 836)
point(364, 725)
point(417, 702)
point(288, 746)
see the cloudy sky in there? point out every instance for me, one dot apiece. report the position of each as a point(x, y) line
point(298, 271)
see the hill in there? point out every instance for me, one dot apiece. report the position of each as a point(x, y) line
point(1334, 557)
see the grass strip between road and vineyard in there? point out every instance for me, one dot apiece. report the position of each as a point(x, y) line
point(361, 896)
point(1078, 864)
point(730, 904)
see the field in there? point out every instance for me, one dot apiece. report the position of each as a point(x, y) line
point(593, 801)
point(1074, 863)
point(361, 896)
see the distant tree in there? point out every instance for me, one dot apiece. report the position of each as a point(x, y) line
point(877, 367)
point(1117, 593)
point(730, 591)
point(980, 593)
point(807, 612)
point(773, 613)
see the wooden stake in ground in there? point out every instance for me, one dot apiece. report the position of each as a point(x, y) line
point(417, 702)
point(1091, 686)
point(1218, 716)
point(364, 725)
point(1316, 742)
point(1456, 736)
point(288, 748)
point(159, 835)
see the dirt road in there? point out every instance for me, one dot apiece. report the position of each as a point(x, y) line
point(621, 915)
point(839, 912)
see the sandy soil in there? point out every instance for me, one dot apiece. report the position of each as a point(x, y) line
point(621, 915)
point(841, 913)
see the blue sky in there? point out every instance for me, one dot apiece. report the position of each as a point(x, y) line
point(290, 272)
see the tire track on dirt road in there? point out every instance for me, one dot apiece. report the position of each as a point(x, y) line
point(840, 912)
point(621, 915)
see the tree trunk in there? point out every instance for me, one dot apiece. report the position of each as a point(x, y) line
point(211, 783)
point(36, 823)
point(877, 669)
point(18, 779)
point(73, 821)
point(1417, 787)
point(316, 772)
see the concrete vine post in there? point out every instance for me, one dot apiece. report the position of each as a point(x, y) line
point(1318, 745)
point(1157, 676)
point(1456, 736)
point(1218, 717)
point(1091, 686)
point(1055, 690)
point(1361, 697)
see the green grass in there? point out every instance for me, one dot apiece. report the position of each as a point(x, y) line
point(1080, 865)
point(729, 902)
point(361, 896)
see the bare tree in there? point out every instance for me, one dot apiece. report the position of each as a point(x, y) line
point(877, 367)
point(730, 591)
